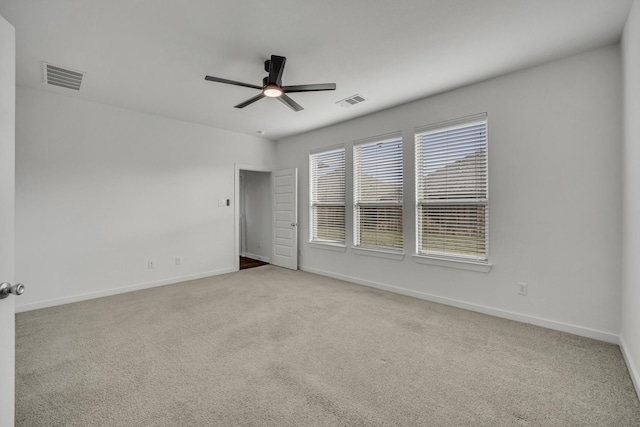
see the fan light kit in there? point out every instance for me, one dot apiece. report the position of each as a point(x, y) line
point(272, 91)
point(272, 85)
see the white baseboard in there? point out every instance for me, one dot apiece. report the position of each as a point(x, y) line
point(258, 257)
point(633, 370)
point(113, 291)
point(550, 324)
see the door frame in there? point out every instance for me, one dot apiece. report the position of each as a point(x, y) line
point(7, 220)
point(236, 206)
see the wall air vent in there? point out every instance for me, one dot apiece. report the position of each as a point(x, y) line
point(62, 77)
point(352, 100)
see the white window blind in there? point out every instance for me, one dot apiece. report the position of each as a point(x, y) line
point(452, 199)
point(326, 177)
point(377, 179)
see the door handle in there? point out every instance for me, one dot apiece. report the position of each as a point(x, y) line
point(293, 224)
point(7, 289)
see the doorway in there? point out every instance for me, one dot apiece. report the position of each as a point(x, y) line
point(282, 211)
point(254, 228)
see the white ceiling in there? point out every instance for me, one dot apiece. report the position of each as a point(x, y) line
point(152, 55)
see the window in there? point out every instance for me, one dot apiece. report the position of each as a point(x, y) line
point(326, 177)
point(377, 181)
point(452, 202)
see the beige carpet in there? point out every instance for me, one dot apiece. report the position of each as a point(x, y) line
point(273, 347)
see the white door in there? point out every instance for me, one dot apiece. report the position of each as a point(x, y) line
point(7, 188)
point(285, 218)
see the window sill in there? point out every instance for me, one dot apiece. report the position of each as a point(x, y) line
point(328, 246)
point(399, 256)
point(453, 263)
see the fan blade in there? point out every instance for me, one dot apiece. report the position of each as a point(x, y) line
point(231, 82)
point(309, 88)
point(290, 102)
point(276, 67)
point(250, 101)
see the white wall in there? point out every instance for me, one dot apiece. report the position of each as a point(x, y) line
point(555, 196)
point(258, 215)
point(630, 334)
point(102, 190)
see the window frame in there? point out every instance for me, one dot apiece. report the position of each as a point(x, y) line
point(373, 250)
point(456, 260)
point(314, 203)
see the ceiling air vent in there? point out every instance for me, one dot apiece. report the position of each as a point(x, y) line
point(62, 77)
point(352, 100)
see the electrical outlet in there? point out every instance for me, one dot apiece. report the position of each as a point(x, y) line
point(522, 289)
point(150, 265)
point(178, 261)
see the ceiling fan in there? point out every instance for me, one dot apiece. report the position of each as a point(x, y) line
point(272, 85)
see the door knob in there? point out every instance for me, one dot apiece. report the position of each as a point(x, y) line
point(7, 289)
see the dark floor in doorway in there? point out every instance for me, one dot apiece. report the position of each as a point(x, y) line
point(250, 263)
